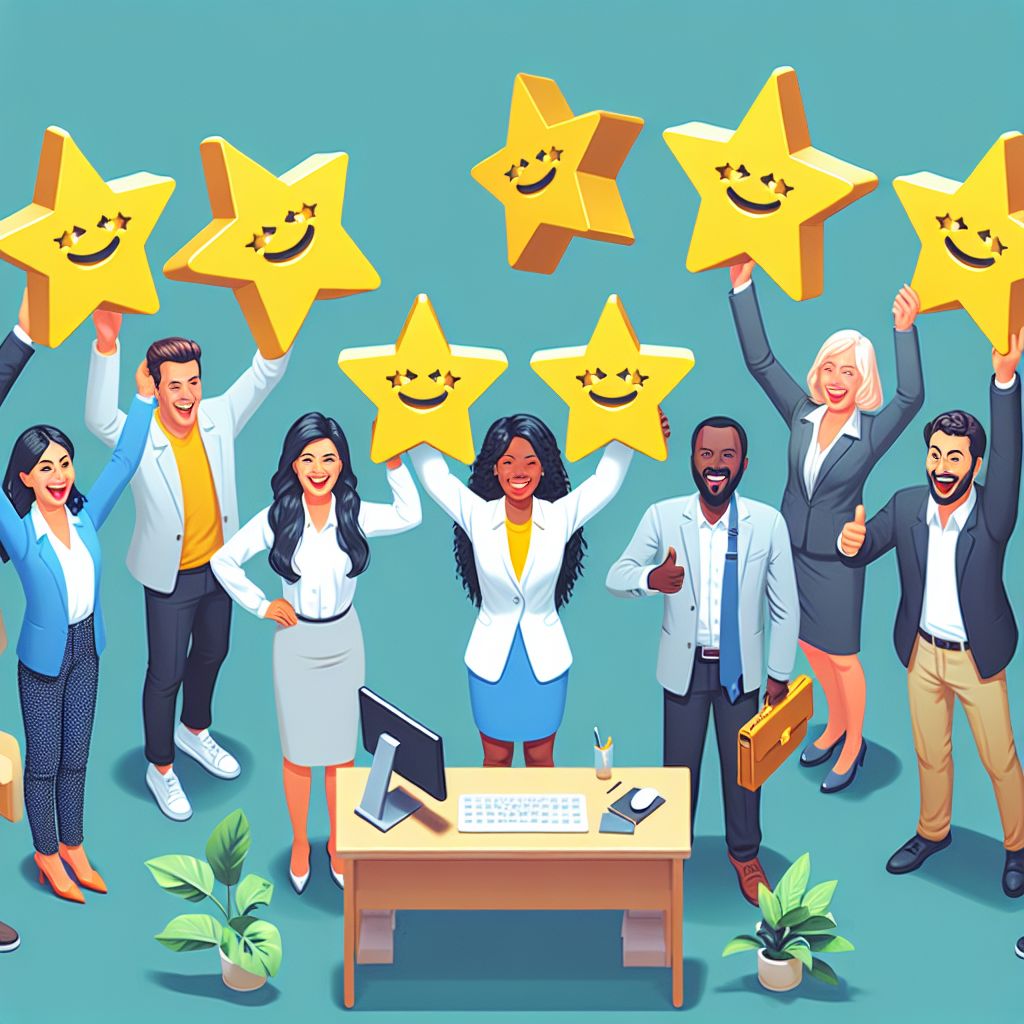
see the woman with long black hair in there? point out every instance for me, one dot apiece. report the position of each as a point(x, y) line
point(316, 531)
point(519, 552)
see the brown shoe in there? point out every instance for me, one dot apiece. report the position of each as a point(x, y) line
point(8, 938)
point(750, 875)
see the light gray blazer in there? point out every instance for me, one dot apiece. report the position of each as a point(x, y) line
point(765, 572)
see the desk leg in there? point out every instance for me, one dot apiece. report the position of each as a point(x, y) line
point(351, 915)
point(677, 933)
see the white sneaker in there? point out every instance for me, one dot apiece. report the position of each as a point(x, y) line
point(168, 794)
point(207, 751)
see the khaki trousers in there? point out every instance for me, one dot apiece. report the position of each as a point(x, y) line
point(934, 678)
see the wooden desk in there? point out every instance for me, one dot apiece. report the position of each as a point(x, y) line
point(425, 863)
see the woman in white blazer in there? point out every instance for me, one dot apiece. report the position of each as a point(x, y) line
point(518, 552)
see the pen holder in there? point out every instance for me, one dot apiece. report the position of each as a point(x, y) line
point(603, 761)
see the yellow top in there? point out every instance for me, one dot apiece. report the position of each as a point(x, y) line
point(518, 544)
point(203, 534)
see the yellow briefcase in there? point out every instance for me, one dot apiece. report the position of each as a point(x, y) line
point(773, 733)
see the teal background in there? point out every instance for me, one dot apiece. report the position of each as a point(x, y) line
point(417, 94)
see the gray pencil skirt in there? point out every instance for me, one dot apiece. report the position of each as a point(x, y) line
point(318, 669)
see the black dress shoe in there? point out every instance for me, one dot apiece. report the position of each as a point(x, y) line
point(913, 853)
point(1019, 948)
point(1013, 873)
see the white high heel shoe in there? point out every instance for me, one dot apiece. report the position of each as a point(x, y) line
point(299, 882)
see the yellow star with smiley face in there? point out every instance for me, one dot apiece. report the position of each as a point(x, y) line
point(765, 192)
point(613, 386)
point(277, 242)
point(972, 240)
point(422, 386)
point(556, 175)
point(82, 240)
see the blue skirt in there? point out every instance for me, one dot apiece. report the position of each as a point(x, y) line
point(518, 707)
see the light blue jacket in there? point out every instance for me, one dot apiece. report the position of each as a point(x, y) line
point(44, 631)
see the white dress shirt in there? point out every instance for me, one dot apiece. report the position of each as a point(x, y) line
point(75, 562)
point(816, 455)
point(940, 611)
point(324, 588)
point(714, 543)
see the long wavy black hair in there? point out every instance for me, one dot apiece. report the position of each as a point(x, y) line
point(27, 451)
point(553, 484)
point(287, 517)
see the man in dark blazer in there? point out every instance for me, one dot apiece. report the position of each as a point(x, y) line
point(955, 629)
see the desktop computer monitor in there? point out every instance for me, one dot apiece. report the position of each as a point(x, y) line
point(402, 745)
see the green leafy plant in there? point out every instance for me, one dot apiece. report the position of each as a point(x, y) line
point(252, 944)
point(796, 923)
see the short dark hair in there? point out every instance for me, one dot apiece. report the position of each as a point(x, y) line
point(958, 423)
point(172, 350)
point(720, 421)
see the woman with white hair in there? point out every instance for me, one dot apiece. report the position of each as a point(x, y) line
point(839, 429)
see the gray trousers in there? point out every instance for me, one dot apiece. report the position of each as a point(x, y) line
point(686, 725)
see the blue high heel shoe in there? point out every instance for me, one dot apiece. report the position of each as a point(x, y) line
point(835, 781)
point(812, 755)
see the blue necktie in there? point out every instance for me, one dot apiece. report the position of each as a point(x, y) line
point(730, 665)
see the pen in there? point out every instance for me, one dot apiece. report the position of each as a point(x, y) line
point(615, 787)
point(597, 737)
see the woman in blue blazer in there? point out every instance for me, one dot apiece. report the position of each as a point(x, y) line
point(48, 533)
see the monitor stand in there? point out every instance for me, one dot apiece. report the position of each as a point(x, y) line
point(379, 807)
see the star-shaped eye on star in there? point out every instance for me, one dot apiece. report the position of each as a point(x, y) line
point(623, 406)
point(72, 269)
point(423, 404)
point(765, 192)
point(972, 240)
point(302, 253)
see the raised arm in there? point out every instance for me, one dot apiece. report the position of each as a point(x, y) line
point(783, 604)
point(15, 353)
point(1002, 478)
point(448, 491)
point(584, 502)
point(250, 391)
point(227, 563)
point(118, 472)
point(378, 519)
point(628, 576)
point(103, 418)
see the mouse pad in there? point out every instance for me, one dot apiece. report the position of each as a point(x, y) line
point(621, 806)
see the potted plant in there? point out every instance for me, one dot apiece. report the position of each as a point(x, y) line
point(250, 949)
point(795, 924)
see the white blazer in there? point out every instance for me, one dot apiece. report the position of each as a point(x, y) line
point(155, 551)
point(529, 603)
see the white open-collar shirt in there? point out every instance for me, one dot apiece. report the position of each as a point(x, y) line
point(940, 610)
point(816, 455)
point(75, 562)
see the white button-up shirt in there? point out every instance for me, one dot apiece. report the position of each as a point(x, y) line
point(75, 562)
point(816, 455)
point(940, 611)
point(324, 588)
point(714, 543)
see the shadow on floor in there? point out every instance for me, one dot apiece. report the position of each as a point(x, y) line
point(210, 986)
point(881, 769)
point(809, 990)
point(320, 893)
point(490, 960)
point(711, 892)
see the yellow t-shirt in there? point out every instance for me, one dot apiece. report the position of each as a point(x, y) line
point(203, 533)
point(518, 544)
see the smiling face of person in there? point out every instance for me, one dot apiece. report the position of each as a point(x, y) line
point(950, 468)
point(178, 394)
point(51, 478)
point(717, 464)
point(318, 467)
point(519, 470)
point(840, 380)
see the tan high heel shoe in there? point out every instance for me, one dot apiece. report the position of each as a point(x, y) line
point(51, 870)
point(88, 877)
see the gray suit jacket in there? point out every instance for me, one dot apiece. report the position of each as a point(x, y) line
point(766, 578)
point(815, 521)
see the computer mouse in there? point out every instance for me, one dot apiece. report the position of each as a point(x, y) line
point(643, 798)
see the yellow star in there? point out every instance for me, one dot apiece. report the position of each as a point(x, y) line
point(422, 386)
point(78, 255)
point(556, 175)
point(613, 386)
point(765, 192)
point(277, 242)
point(972, 240)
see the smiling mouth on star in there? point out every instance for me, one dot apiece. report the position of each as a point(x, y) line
point(612, 403)
point(423, 403)
point(296, 250)
point(749, 206)
point(90, 259)
point(974, 262)
point(539, 185)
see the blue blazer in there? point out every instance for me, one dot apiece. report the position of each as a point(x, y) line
point(44, 631)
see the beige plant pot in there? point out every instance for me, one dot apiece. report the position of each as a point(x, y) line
point(238, 978)
point(778, 975)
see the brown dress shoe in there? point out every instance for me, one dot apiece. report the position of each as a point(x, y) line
point(750, 875)
point(9, 939)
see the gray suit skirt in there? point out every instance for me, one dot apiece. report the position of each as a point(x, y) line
point(831, 601)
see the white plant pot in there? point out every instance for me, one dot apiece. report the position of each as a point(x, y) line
point(778, 975)
point(238, 978)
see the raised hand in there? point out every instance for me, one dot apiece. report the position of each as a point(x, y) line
point(1006, 366)
point(108, 326)
point(668, 577)
point(740, 273)
point(666, 430)
point(905, 308)
point(851, 540)
point(281, 612)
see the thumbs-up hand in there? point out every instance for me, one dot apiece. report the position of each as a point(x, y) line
point(851, 540)
point(667, 577)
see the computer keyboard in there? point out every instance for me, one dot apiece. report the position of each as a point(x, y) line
point(522, 812)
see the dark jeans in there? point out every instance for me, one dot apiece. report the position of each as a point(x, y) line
point(58, 712)
point(686, 725)
point(196, 612)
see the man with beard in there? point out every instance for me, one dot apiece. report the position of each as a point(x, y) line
point(720, 560)
point(955, 630)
